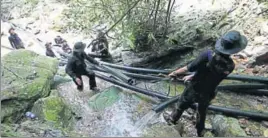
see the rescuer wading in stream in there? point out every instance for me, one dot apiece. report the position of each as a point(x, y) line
point(210, 68)
point(76, 67)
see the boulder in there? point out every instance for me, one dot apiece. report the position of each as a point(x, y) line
point(227, 127)
point(26, 77)
point(53, 109)
point(105, 99)
point(161, 130)
point(35, 128)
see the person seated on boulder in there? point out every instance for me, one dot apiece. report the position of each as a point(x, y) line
point(49, 51)
point(65, 47)
point(100, 45)
point(59, 41)
point(76, 67)
point(15, 40)
point(210, 68)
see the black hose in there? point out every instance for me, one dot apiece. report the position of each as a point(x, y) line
point(157, 71)
point(235, 112)
point(241, 86)
point(136, 70)
point(260, 92)
point(119, 75)
point(227, 111)
point(248, 78)
point(137, 89)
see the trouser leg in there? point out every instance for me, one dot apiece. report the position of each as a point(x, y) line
point(92, 79)
point(201, 116)
point(186, 100)
point(79, 87)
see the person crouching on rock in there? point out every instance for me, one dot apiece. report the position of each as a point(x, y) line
point(15, 40)
point(76, 67)
point(210, 68)
point(49, 51)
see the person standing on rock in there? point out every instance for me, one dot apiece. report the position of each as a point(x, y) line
point(15, 40)
point(210, 68)
point(76, 67)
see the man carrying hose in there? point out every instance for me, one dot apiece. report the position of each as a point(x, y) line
point(210, 68)
point(76, 67)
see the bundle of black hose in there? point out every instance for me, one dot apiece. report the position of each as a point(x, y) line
point(137, 89)
point(248, 78)
point(118, 74)
point(241, 86)
point(137, 70)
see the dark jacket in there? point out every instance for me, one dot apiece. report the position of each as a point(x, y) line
point(15, 41)
point(66, 48)
point(76, 65)
point(50, 53)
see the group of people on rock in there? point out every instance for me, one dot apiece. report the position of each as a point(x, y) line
point(59, 42)
point(209, 69)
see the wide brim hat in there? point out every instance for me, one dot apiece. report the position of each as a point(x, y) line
point(79, 47)
point(231, 43)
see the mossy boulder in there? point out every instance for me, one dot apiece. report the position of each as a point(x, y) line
point(227, 127)
point(34, 128)
point(26, 77)
point(161, 130)
point(53, 109)
point(105, 99)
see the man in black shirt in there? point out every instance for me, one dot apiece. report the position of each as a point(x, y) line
point(49, 51)
point(210, 69)
point(15, 40)
point(76, 67)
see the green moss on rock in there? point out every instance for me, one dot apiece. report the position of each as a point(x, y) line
point(26, 77)
point(53, 109)
point(160, 130)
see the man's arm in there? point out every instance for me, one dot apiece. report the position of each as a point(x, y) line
point(179, 71)
point(194, 65)
point(69, 69)
point(90, 59)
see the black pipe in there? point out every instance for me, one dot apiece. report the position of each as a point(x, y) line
point(119, 75)
point(241, 86)
point(137, 89)
point(260, 92)
point(248, 78)
point(236, 112)
point(157, 71)
point(136, 70)
point(224, 110)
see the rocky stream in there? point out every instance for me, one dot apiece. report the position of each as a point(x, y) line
point(33, 82)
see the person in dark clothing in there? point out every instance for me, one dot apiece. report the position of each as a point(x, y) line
point(65, 47)
point(59, 40)
point(14, 40)
point(49, 51)
point(100, 45)
point(210, 68)
point(76, 67)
